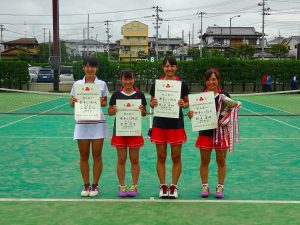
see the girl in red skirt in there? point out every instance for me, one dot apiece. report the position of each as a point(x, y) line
point(169, 131)
point(122, 143)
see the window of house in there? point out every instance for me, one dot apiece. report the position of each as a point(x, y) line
point(138, 48)
point(226, 42)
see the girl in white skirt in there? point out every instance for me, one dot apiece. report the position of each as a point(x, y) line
point(91, 132)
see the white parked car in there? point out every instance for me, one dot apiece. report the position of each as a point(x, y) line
point(66, 74)
point(33, 73)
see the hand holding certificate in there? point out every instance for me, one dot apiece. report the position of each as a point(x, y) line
point(128, 117)
point(167, 93)
point(205, 115)
point(87, 106)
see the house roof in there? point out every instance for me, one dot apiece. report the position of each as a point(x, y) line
point(164, 41)
point(276, 40)
point(296, 38)
point(22, 41)
point(85, 41)
point(237, 31)
point(16, 51)
point(135, 22)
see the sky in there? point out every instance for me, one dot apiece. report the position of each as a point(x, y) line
point(33, 18)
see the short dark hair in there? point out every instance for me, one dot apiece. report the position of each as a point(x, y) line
point(127, 73)
point(171, 60)
point(210, 72)
point(90, 60)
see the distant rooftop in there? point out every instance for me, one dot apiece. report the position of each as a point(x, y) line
point(22, 41)
point(234, 31)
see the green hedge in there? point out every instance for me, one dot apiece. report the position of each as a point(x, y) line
point(233, 71)
point(13, 74)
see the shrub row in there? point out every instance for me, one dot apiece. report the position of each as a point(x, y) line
point(13, 74)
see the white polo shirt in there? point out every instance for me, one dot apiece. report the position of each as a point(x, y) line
point(91, 129)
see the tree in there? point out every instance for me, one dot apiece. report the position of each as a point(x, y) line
point(142, 55)
point(24, 56)
point(244, 51)
point(43, 52)
point(194, 53)
point(169, 53)
point(279, 50)
point(63, 51)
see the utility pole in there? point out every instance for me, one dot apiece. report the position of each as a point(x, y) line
point(1, 38)
point(264, 13)
point(193, 34)
point(189, 39)
point(168, 39)
point(44, 34)
point(157, 19)
point(108, 37)
point(200, 14)
point(182, 44)
point(88, 35)
point(25, 31)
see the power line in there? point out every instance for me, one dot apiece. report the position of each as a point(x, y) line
point(76, 14)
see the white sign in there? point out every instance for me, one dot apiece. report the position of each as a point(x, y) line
point(88, 106)
point(167, 93)
point(204, 107)
point(128, 117)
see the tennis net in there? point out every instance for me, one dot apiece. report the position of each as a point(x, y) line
point(285, 103)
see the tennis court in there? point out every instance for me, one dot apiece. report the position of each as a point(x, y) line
point(41, 181)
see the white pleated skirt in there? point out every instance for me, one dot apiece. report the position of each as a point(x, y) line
point(90, 131)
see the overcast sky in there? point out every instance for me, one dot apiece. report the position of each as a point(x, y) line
point(28, 17)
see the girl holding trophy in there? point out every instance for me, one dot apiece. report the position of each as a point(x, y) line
point(221, 138)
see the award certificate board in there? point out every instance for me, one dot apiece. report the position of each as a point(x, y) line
point(88, 105)
point(204, 107)
point(128, 117)
point(167, 93)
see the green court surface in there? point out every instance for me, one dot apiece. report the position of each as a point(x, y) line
point(40, 180)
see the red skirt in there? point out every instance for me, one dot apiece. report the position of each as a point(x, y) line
point(206, 143)
point(127, 141)
point(168, 136)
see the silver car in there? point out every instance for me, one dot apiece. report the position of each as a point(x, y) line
point(33, 73)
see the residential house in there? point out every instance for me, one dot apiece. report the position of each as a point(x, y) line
point(166, 44)
point(13, 49)
point(293, 44)
point(134, 44)
point(81, 48)
point(225, 38)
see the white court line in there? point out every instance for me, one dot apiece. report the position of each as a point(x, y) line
point(150, 200)
point(31, 116)
point(273, 119)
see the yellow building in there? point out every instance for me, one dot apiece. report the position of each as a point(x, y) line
point(134, 44)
